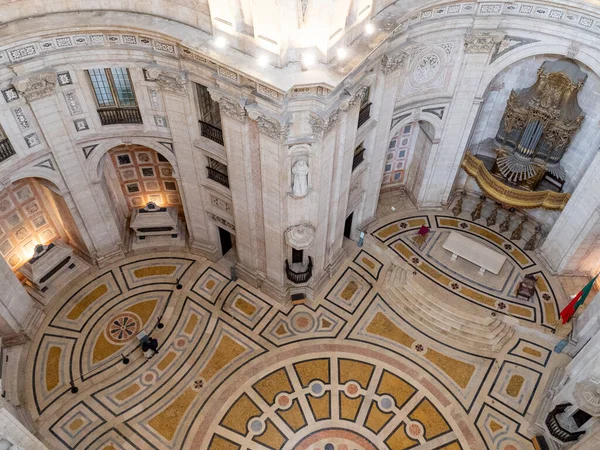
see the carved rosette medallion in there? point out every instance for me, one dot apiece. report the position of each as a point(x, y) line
point(300, 236)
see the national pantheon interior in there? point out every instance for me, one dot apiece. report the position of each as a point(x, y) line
point(299, 225)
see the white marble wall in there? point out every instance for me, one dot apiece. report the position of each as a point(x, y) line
point(13, 434)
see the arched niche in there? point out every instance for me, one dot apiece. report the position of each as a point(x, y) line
point(96, 153)
point(33, 211)
point(133, 176)
point(518, 70)
point(409, 146)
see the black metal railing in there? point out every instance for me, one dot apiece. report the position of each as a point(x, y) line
point(6, 149)
point(219, 177)
point(299, 277)
point(556, 429)
point(358, 158)
point(211, 132)
point(114, 116)
point(364, 114)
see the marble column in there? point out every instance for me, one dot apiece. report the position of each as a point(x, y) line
point(384, 101)
point(19, 312)
point(243, 167)
point(270, 133)
point(585, 326)
point(13, 434)
point(90, 202)
point(573, 244)
point(343, 140)
point(181, 121)
point(444, 160)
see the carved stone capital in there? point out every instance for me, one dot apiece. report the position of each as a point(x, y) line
point(332, 121)
point(271, 126)
point(168, 80)
point(229, 106)
point(353, 100)
point(36, 86)
point(482, 41)
point(391, 64)
point(300, 236)
point(318, 125)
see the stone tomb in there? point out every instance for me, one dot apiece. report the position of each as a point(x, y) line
point(155, 226)
point(52, 267)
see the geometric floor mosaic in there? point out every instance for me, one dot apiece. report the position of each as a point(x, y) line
point(237, 370)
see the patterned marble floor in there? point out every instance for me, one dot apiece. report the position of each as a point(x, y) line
point(356, 369)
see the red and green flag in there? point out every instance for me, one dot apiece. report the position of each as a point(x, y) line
point(577, 301)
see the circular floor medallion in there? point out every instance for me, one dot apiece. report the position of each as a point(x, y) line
point(334, 439)
point(123, 327)
point(302, 322)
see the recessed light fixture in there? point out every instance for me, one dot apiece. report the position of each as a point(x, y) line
point(342, 53)
point(308, 59)
point(220, 42)
point(369, 28)
point(263, 60)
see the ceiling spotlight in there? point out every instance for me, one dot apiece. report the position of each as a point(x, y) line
point(369, 28)
point(220, 42)
point(263, 60)
point(342, 53)
point(308, 59)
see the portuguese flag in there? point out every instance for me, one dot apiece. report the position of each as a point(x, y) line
point(577, 301)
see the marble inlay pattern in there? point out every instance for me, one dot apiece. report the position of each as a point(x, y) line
point(238, 370)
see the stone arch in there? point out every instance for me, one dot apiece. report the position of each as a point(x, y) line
point(95, 159)
point(46, 174)
point(418, 115)
point(426, 121)
point(584, 56)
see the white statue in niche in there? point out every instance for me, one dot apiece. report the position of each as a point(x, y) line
point(300, 183)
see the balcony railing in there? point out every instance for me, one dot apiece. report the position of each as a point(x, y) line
point(6, 149)
point(299, 277)
point(211, 132)
point(556, 429)
point(114, 116)
point(358, 158)
point(364, 114)
point(217, 176)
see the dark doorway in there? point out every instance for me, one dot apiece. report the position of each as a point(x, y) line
point(581, 417)
point(348, 226)
point(225, 238)
point(297, 256)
